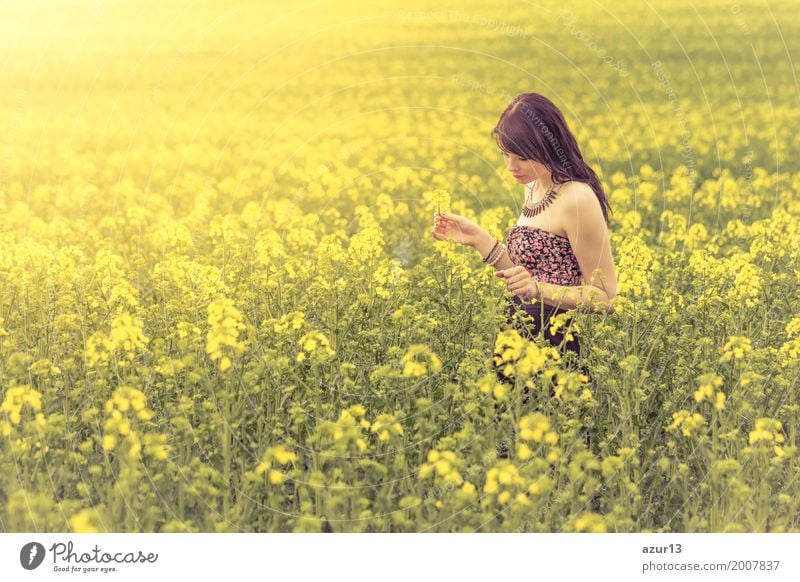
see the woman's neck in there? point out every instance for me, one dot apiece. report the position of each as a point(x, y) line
point(536, 190)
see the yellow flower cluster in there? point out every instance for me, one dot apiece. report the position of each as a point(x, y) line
point(790, 350)
point(535, 358)
point(268, 247)
point(674, 229)
point(636, 266)
point(736, 347)
point(536, 427)
point(767, 430)
point(740, 280)
point(559, 321)
point(185, 329)
point(126, 335)
point(590, 522)
point(125, 402)
point(443, 464)
point(98, 349)
point(388, 275)
point(505, 481)
point(708, 390)
point(155, 446)
point(747, 280)
point(85, 521)
point(112, 279)
point(15, 399)
point(280, 456)
point(293, 320)
point(508, 348)
point(438, 199)
point(365, 247)
point(520, 355)
point(344, 434)
point(314, 345)
point(489, 384)
point(414, 367)
point(226, 323)
point(687, 422)
point(571, 385)
point(386, 426)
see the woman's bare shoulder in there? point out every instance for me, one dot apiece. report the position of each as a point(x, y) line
point(579, 202)
point(575, 189)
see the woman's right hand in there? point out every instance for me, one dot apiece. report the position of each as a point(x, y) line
point(455, 227)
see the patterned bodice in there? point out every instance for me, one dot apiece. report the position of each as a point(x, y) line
point(546, 255)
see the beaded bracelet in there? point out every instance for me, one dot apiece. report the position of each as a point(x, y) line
point(500, 254)
point(495, 251)
point(486, 258)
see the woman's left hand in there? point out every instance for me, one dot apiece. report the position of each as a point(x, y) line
point(519, 282)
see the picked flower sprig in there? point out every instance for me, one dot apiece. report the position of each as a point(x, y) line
point(441, 198)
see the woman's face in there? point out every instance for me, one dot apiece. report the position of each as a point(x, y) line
point(525, 171)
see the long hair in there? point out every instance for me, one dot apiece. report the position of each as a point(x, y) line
point(533, 128)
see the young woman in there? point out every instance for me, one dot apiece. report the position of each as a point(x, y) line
point(558, 256)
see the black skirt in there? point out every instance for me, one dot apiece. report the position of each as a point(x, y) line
point(531, 319)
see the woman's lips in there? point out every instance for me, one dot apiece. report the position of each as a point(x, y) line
point(518, 177)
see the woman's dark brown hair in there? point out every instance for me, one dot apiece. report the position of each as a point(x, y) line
point(533, 128)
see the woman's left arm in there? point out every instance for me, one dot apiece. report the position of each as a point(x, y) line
point(588, 235)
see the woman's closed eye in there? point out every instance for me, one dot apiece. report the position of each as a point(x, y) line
point(521, 159)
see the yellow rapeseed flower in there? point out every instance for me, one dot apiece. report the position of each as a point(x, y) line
point(687, 422)
point(226, 322)
point(386, 426)
point(413, 367)
point(590, 521)
point(735, 348)
point(16, 398)
point(767, 430)
point(708, 383)
point(82, 522)
point(536, 427)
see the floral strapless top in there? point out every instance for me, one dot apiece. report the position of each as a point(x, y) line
point(546, 255)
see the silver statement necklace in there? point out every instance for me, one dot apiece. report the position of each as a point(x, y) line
point(531, 211)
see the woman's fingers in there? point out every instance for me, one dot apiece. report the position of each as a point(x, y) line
point(440, 227)
point(518, 280)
